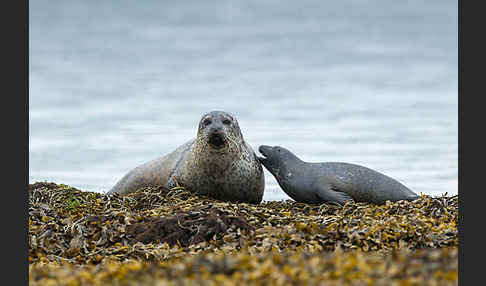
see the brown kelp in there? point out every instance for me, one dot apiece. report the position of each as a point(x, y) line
point(165, 233)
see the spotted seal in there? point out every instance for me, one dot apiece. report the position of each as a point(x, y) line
point(217, 163)
point(330, 181)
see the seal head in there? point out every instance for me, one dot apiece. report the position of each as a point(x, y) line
point(278, 160)
point(217, 130)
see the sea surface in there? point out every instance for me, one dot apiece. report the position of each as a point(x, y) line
point(113, 84)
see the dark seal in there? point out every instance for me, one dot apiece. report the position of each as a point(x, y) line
point(218, 163)
point(331, 181)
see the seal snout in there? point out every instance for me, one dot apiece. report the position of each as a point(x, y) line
point(264, 150)
point(217, 139)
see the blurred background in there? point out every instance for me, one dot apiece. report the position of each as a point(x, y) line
point(113, 84)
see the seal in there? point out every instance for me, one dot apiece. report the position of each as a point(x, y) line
point(217, 163)
point(330, 181)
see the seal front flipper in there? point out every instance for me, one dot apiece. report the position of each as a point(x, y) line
point(328, 194)
point(172, 183)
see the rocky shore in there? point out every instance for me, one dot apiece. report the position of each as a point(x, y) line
point(171, 237)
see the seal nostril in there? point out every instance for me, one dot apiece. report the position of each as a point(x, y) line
point(216, 139)
point(262, 149)
point(216, 129)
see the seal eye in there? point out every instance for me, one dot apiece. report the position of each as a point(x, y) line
point(207, 121)
point(226, 121)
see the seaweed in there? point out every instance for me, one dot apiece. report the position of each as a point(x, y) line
point(155, 229)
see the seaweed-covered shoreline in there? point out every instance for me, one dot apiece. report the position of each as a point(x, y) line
point(174, 237)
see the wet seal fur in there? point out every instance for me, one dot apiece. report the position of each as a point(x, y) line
point(217, 163)
point(331, 181)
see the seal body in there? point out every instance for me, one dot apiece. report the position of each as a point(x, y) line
point(330, 181)
point(217, 163)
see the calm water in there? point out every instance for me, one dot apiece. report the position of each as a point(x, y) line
point(114, 84)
